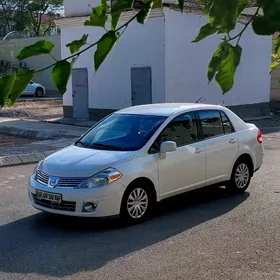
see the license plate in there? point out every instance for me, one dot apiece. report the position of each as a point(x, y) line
point(53, 197)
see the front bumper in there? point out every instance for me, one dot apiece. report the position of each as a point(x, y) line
point(107, 200)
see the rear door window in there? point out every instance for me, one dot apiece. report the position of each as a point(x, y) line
point(211, 123)
point(228, 128)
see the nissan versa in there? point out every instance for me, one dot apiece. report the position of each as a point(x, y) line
point(140, 155)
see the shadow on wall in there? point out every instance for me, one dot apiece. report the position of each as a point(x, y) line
point(60, 246)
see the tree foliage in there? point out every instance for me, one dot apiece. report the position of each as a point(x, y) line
point(222, 20)
point(34, 16)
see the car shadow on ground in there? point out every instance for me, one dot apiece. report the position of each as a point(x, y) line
point(61, 246)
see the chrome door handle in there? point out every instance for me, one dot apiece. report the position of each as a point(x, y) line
point(232, 141)
point(198, 150)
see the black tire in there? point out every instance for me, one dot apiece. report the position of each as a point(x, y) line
point(145, 191)
point(39, 92)
point(241, 176)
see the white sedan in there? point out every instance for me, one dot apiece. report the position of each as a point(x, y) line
point(140, 155)
point(34, 89)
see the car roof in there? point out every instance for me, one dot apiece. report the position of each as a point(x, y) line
point(165, 109)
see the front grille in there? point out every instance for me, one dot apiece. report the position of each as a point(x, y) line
point(70, 182)
point(43, 178)
point(64, 205)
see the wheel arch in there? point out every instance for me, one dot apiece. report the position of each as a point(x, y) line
point(39, 87)
point(148, 181)
point(249, 159)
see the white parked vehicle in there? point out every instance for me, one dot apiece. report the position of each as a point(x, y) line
point(143, 154)
point(34, 89)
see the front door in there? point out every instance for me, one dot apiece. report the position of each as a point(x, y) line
point(221, 145)
point(80, 93)
point(183, 169)
point(141, 86)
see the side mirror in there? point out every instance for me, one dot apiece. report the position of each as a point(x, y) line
point(167, 147)
point(31, 83)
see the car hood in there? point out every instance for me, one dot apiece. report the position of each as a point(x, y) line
point(74, 161)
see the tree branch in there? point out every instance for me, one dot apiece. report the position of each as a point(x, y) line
point(48, 28)
point(238, 36)
point(89, 47)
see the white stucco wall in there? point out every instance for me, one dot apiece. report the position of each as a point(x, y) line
point(186, 64)
point(110, 88)
point(11, 48)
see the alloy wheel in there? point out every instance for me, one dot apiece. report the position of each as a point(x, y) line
point(242, 175)
point(137, 203)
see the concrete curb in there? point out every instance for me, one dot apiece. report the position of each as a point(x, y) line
point(39, 99)
point(23, 158)
point(78, 124)
point(33, 134)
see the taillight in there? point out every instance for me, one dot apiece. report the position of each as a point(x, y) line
point(259, 137)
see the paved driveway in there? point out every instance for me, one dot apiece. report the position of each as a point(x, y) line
point(203, 235)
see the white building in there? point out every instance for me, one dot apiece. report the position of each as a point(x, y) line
point(156, 62)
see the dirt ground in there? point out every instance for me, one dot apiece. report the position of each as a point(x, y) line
point(50, 109)
point(36, 110)
point(9, 140)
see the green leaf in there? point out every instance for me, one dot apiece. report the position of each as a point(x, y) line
point(275, 56)
point(77, 44)
point(273, 65)
point(117, 9)
point(22, 79)
point(157, 4)
point(6, 85)
point(104, 46)
point(181, 5)
point(218, 56)
point(204, 32)
point(264, 26)
point(144, 13)
point(98, 16)
point(269, 23)
point(61, 74)
point(224, 14)
point(39, 48)
point(277, 45)
point(223, 65)
point(207, 7)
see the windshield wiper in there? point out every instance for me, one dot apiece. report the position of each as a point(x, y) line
point(107, 147)
point(82, 143)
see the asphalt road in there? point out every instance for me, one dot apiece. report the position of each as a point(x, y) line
point(203, 235)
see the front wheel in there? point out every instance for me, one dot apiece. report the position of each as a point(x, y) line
point(241, 177)
point(39, 92)
point(137, 203)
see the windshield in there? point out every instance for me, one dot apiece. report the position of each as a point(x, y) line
point(122, 132)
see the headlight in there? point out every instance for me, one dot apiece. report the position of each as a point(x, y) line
point(37, 167)
point(101, 179)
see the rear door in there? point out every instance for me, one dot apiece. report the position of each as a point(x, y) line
point(221, 145)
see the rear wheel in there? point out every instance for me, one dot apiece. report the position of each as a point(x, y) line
point(137, 203)
point(241, 176)
point(39, 92)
